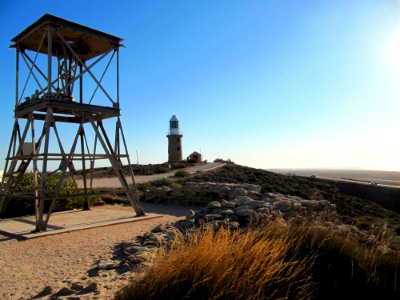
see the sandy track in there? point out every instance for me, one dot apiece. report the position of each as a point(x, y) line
point(112, 182)
point(57, 261)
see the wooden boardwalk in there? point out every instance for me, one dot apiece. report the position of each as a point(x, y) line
point(20, 228)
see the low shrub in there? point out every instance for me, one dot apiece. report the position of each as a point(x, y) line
point(148, 172)
point(181, 173)
point(161, 170)
point(219, 160)
point(26, 185)
point(142, 187)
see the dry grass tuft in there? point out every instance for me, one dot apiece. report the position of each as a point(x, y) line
point(225, 265)
point(275, 262)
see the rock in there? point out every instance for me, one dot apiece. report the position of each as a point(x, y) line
point(266, 204)
point(227, 212)
point(254, 203)
point(158, 229)
point(245, 212)
point(297, 205)
point(324, 203)
point(227, 204)
point(213, 204)
point(240, 191)
point(211, 217)
point(199, 215)
point(217, 211)
point(268, 197)
point(184, 224)
point(283, 205)
point(164, 188)
point(253, 188)
point(242, 207)
point(264, 209)
point(234, 217)
point(106, 265)
point(190, 214)
point(308, 203)
point(155, 240)
point(241, 200)
point(141, 257)
point(134, 249)
point(199, 192)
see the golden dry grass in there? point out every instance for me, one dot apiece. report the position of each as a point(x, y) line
point(273, 262)
point(225, 265)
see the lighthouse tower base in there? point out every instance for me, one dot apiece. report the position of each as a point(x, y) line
point(174, 148)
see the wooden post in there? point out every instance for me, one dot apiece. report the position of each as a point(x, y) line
point(40, 225)
point(86, 204)
point(117, 166)
point(49, 57)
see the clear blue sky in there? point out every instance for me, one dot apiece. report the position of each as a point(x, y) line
point(269, 84)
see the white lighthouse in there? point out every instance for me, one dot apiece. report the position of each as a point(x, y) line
point(174, 141)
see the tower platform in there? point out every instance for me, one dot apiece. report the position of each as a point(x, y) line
point(66, 111)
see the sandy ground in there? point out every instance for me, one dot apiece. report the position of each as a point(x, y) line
point(52, 263)
point(43, 267)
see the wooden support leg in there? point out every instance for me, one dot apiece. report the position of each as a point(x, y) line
point(2, 206)
point(117, 167)
point(40, 224)
point(86, 203)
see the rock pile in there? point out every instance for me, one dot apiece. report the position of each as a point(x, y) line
point(235, 214)
point(200, 192)
point(243, 210)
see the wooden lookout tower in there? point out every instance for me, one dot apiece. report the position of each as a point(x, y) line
point(66, 97)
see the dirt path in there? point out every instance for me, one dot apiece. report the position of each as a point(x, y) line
point(54, 264)
point(112, 182)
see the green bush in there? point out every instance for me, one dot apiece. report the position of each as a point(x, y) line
point(161, 169)
point(163, 182)
point(181, 173)
point(148, 172)
point(142, 187)
point(219, 160)
point(26, 185)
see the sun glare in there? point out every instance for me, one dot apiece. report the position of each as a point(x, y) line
point(393, 50)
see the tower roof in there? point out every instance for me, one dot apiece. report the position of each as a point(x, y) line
point(174, 118)
point(86, 42)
